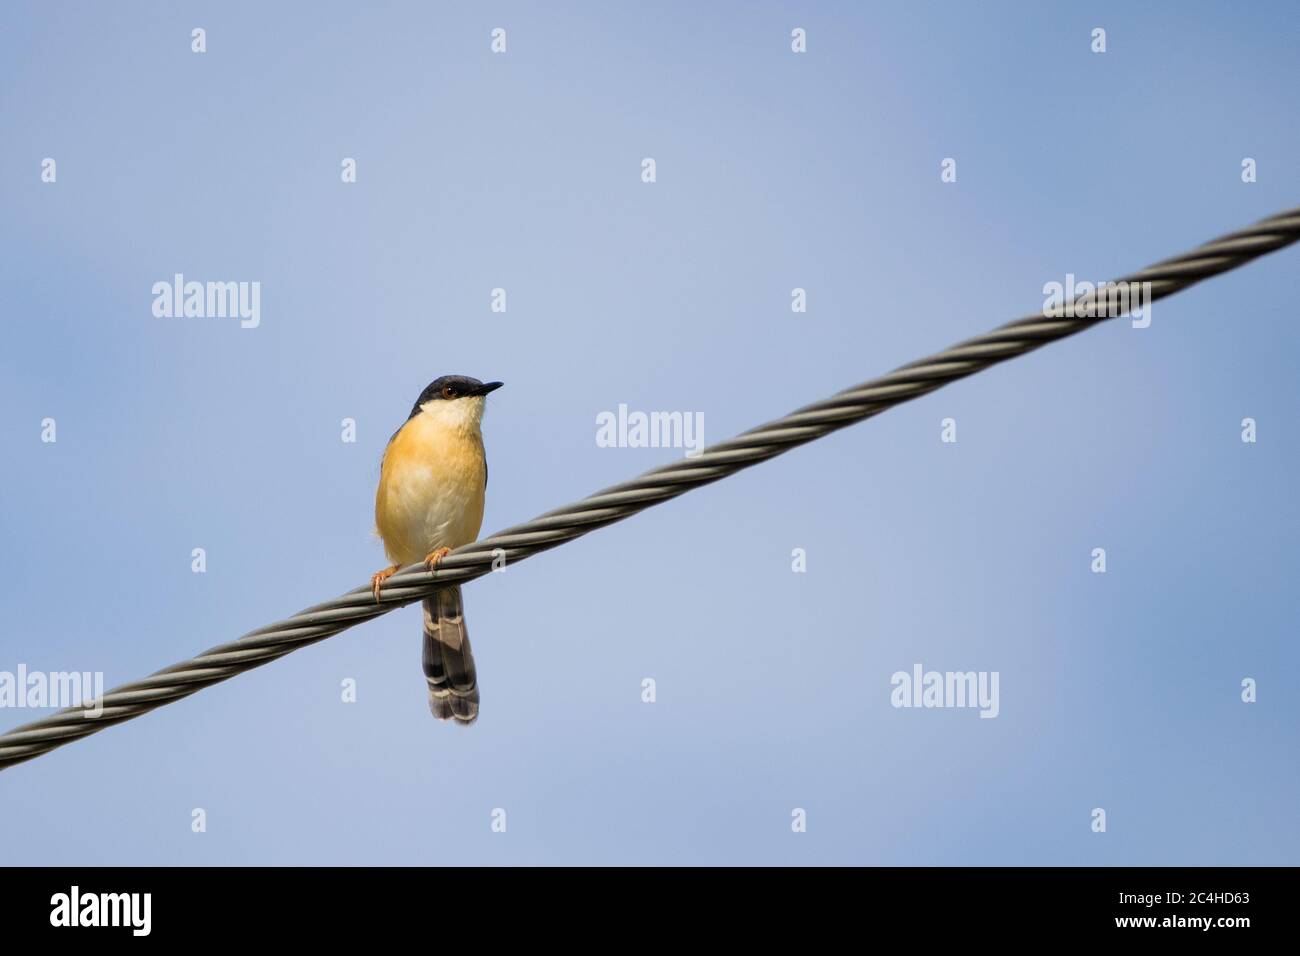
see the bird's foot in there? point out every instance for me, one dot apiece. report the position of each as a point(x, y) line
point(379, 577)
point(433, 557)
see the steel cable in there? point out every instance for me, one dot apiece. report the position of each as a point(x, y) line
point(661, 484)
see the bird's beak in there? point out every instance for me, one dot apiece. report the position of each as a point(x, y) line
point(488, 387)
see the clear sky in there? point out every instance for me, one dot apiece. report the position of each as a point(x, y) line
point(774, 170)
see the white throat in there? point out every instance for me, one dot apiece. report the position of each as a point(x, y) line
point(462, 414)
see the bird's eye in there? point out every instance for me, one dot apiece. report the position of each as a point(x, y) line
point(448, 391)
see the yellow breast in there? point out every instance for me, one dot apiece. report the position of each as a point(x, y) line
point(431, 487)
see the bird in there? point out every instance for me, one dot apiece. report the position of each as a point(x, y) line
point(432, 482)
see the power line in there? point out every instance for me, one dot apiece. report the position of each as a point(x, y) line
point(614, 504)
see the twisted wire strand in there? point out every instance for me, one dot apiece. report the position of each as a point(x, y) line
point(658, 485)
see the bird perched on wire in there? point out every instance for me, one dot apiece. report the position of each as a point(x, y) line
point(430, 501)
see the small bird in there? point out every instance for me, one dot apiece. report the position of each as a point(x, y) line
point(430, 501)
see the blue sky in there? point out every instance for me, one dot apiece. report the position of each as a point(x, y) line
point(775, 171)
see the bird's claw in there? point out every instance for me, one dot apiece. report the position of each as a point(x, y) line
point(433, 557)
point(378, 578)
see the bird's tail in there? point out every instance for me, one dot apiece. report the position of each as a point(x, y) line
point(448, 660)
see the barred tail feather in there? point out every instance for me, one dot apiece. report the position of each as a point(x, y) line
point(448, 660)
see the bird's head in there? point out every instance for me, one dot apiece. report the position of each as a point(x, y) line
point(456, 400)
